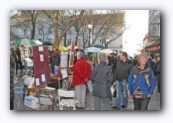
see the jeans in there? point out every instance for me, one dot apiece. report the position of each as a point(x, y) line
point(121, 86)
point(105, 102)
point(141, 104)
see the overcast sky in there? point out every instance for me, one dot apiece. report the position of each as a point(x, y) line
point(137, 24)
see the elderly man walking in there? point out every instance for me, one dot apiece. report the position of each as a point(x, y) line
point(102, 76)
point(82, 73)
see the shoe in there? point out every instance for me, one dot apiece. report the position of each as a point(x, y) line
point(123, 106)
point(114, 107)
point(78, 107)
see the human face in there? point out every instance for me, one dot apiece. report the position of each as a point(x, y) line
point(143, 60)
point(122, 57)
point(107, 61)
point(158, 58)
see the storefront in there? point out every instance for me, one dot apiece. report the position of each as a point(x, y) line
point(154, 47)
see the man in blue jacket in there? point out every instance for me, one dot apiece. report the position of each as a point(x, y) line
point(141, 83)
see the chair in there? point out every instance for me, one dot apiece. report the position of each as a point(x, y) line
point(66, 102)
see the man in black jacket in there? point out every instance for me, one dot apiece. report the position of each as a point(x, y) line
point(12, 65)
point(54, 59)
point(121, 74)
point(157, 71)
point(19, 62)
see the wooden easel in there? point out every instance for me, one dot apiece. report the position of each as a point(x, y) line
point(41, 89)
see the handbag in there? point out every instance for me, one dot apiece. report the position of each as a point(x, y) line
point(138, 94)
point(113, 91)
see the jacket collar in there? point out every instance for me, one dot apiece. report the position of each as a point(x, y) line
point(147, 66)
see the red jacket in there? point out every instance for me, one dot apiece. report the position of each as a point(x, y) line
point(81, 72)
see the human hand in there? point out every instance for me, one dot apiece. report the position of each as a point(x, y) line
point(131, 96)
point(149, 95)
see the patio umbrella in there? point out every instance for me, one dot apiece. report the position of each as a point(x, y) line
point(62, 48)
point(69, 47)
point(98, 46)
point(107, 51)
point(25, 42)
point(92, 49)
point(38, 42)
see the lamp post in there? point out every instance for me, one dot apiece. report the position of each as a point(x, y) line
point(90, 26)
point(107, 40)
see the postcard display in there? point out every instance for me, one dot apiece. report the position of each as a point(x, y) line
point(42, 78)
point(41, 65)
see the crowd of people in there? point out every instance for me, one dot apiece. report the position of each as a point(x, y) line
point(132, 78)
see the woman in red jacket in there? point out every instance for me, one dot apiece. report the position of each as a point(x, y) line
point(82, 72)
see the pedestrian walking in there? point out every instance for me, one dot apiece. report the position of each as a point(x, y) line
point(135, 61)
point(114, 62)
point(82, 73)
point(157, 71)
point(12, 68)
point(150, 61)
point(19, 62)
point(54, 59)
point(16, 59)
point(141, 83)
point(120, 78)
point(102, 77)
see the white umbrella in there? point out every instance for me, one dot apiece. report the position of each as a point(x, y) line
point(69, 47)
point(38, 42)
point(107, 51)
point(92, 49)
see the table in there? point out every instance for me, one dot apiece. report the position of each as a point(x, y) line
point(46, 90)
point(56, 79)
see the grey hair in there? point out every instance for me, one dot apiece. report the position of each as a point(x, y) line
point(103, 57)
point(81, 55)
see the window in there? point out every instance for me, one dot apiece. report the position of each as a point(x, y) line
point(40, 32)
point(25, 32)
point(50, 40)
point(50, 31)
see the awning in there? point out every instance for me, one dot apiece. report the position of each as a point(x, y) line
point(153, 48)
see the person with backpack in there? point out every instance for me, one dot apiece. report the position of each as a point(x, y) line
point(141, 83)
point(120, 77)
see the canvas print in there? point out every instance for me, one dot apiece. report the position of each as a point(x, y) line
point(83, 60)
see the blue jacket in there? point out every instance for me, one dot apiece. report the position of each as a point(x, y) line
point(144, 79)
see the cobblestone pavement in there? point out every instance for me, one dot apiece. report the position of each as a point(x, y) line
point(154, 103)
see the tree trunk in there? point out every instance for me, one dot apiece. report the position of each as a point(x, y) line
point(33, 18)
point(57, 41)
point(83, 40)
point(65, 40)
point(77, 35)
point(56, 27)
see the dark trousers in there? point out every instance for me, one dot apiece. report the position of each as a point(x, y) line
point(141, 104)
point(11, 105)
point(18, 65)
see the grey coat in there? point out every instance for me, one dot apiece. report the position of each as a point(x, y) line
point(102, 76)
